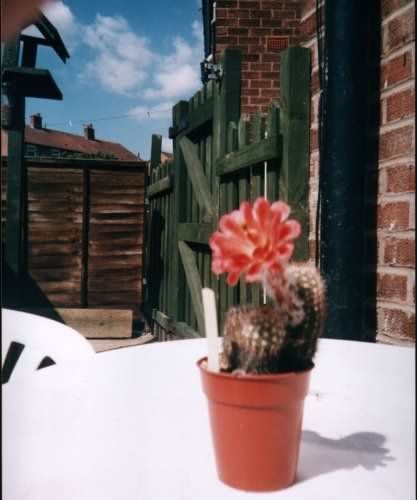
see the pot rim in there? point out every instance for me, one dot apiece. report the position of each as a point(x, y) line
point(250, 377)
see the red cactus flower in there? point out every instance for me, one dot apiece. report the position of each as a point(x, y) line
point(253, 240)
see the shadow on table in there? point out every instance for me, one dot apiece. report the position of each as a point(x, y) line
point(320, 455)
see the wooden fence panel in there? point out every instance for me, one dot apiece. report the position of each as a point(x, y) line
point(115, 239)
point(55, 230)
point(220, 160)
point(84, 232)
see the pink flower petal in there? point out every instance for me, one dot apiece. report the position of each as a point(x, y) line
point(261, 212)
point(290, 230)
point(246, 211)
point(232, 279)
point(281, 209)
point(231, 228)
point(285, 251)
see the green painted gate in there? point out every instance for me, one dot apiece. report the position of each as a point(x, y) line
point(220, 159)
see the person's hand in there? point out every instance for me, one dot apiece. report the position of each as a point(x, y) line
point(16, 14)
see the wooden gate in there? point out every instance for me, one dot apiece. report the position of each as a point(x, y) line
point(220, 160)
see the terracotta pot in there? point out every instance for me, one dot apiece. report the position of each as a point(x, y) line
point(256, 426)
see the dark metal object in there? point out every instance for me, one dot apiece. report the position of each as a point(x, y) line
point(32, 82)
point(19, 82)
point(343, 165)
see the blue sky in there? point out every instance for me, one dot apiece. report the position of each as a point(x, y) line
point(127, 58)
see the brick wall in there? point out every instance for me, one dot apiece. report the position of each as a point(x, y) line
point(396, 179)
point(261, 29)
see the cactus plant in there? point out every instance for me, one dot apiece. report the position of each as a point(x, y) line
point(257, 242)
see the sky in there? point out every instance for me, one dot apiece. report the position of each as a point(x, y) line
point(130, 62)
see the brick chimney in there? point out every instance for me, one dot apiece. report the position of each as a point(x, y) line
point(89, 132)
point(36, 121)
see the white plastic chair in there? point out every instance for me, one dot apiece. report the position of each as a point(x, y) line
point(30, 342)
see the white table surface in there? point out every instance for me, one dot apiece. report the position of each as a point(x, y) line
point(133, 424)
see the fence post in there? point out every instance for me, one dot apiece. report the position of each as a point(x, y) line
point(147, 230)
point(295, 126)
point(16, 216)
point(176, 276)
point(226, 110)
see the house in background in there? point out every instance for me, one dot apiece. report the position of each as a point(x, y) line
point(45, 142)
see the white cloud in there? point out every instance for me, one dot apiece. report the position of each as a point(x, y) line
point(124, 62)
point(62, 18)
point(121, 58)
point(178, 74)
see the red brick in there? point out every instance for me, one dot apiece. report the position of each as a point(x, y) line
point(397, 323)
point(251, 75)
point(293, 23)
point(227, 4)
point(271, 93)
point(255, 49)
point(398, 69)
point(260, 84)
point(400, 252)
point(259, 100)
point(287, 14)
point(260, 31)
point(223, 30)
point(260, 14)
point(252, 92)
point(392, 287)
point(273, 23)
point(261, 66)
point(267, 57)
point(396, 142)
point(394, 216)
point(227, 40)
point(241, 13)
point(235, 31)
point(230, 21)
point(399, 31)
point(250, 4)
point(272, 4)
point(400, 105)
point(315, 83)
point(251, 57)
point(401, 179)
point(389, 6)
point(221, 13)
point(269, 75)
point(249, 22)
point(308, 26)
point(248, 40)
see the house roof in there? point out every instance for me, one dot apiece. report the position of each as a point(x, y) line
point(70, 142)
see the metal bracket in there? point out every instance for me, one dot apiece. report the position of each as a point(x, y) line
point(213, 71)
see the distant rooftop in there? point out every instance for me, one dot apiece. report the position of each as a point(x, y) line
point(86, 144)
